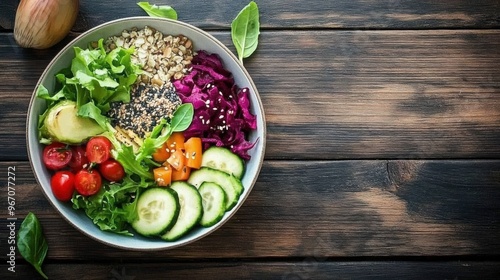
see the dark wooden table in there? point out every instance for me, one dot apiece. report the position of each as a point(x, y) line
point(383, 146)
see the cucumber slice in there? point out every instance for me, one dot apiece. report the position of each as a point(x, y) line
point(190, 213)
point(224, 160)
point(214, 204)
point(157, 211)
point(231, 185)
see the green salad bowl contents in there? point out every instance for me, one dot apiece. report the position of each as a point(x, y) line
point(146, 133)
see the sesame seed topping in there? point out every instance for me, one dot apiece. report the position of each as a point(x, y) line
point(148, 105)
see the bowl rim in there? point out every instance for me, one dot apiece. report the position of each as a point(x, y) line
point(166, 245)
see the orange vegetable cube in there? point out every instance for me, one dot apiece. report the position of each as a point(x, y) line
point(163, 175)
point(175, 142)
point(181, 175)
point(177, 159)
point(161, 154)
point(193, 151)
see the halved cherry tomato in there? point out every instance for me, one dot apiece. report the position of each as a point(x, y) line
point(177, 159)
point(63, 185)
point(181, 175)
point(193, 150)
point(78, 159)
point(112, 170)
point(98, 149)
point(87, 182)
point(56, 156)
point(163, 175)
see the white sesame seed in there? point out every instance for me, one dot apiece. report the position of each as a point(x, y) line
point(202, 121)
point(207, 102)
point(221, 117)
point(215, 108)
point(220, 92)
point(208, 121)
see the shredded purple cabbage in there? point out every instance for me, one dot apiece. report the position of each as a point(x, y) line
point(222, 114)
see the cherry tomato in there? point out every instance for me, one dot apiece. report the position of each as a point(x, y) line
point(87, 182)
point(78, 159)
point(63, 185)
point(98, 149)
point(112, 170)
point(56, 156)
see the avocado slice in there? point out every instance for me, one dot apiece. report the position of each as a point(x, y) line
point(62, 124)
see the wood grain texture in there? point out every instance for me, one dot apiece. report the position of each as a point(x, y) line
point(370, 94)
point(344, 14)
point(307, 268)
point(323, 208)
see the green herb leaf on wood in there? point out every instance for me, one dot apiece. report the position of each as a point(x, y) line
point(31, 242)
point(245, 30)
point(163, 11)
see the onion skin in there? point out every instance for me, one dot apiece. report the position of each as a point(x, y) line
point(40, 24)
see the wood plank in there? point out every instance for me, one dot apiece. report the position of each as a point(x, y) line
point(360, 208)
point(307, 268)
point(379, 94)
point(362, 14)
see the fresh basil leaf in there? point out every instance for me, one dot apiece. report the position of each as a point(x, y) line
point(245, 30)
point(31, 242)
point(182, 118)
point(163, 11)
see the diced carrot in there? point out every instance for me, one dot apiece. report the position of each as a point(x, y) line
point(193, 152)
point(181, 175)
point(177, 159)
point(163, 175)
point(161, 154)
point(175, 142)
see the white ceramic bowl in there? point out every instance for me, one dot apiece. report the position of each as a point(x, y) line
point(201, 40)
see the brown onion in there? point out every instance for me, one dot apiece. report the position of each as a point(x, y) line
point(40, 24)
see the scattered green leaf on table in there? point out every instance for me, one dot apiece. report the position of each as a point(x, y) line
point(163, 11)
point(245, 30)
point(31, 242)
